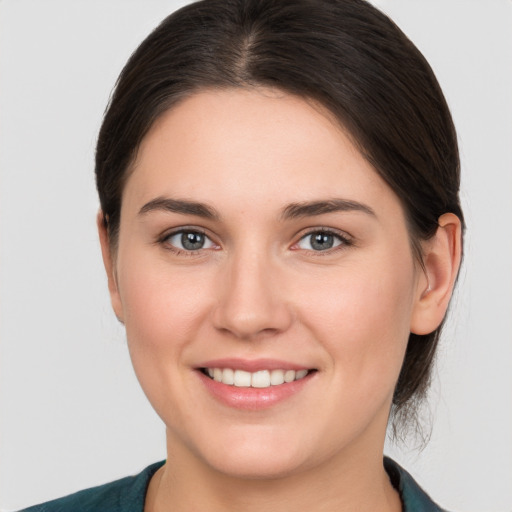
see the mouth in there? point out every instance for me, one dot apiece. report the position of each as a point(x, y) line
point(254, 385)
point(260, 379)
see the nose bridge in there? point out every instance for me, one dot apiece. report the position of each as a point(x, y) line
point(250, 300)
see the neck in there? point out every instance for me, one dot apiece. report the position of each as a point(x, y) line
point(344, 483)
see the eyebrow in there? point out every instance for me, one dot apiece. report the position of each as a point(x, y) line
point(182, 206)
point(312, 208)
point(291, 211)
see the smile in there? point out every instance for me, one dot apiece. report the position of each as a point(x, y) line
point(259, 379)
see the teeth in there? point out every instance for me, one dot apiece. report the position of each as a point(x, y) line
point(289, 376)
point(276, 377)
point(259, 379)
point(228, 376)
point(242, 379)
point(300, 374)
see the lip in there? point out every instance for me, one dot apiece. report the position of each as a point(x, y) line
point(248, 398)
point(252, 365)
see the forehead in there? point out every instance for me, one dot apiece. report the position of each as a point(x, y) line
point(251, 145)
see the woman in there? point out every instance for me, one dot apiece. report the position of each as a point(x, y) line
point(281, 231)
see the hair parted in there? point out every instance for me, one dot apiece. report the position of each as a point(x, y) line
point(344, 54)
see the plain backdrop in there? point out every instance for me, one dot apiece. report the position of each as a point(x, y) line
point(72, 413)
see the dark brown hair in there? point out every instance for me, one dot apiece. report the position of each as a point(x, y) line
point(344, 54)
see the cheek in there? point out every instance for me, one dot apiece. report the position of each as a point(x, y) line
point(362, 317)
point(162, 305)
point(164, 310)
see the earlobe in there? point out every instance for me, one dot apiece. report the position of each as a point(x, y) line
point(441, 258)
point(108, 262)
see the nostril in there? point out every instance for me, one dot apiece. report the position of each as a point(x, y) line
point(250, 303)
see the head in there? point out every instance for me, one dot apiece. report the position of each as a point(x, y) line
point(346, 60)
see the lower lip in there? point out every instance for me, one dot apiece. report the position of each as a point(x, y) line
point(253, 399)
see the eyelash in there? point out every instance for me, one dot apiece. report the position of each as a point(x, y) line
point(164, 241)
point(344, 241)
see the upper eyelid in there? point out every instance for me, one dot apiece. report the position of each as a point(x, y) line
point(322, 229)
point(163, 241)
point(343, 235)
point(181, 229)
point(345, 238)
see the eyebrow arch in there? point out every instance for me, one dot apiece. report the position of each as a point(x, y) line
point(311, 208)
point(182, 206)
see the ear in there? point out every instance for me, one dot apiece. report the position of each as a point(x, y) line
point(441, 258)
point(108, 262)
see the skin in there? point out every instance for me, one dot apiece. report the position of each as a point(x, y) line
point(259, 290)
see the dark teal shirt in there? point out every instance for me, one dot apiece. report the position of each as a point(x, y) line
point(128, 494)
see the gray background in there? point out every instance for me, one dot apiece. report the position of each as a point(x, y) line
point(72, 414)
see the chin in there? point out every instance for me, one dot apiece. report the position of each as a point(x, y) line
point(258, 465)
point(246, 457)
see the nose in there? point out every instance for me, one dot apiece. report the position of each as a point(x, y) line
point(252, 299)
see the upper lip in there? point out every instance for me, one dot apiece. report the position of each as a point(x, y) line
point(253, 365)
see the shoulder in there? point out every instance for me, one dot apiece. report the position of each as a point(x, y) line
point(126, 495)
point(413, 497)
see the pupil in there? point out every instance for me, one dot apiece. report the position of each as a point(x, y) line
point(192, 241)
point(322, 241)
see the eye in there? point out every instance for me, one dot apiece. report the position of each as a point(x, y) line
point(189, 240)
point(321, 240)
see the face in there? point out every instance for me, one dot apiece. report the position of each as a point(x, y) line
point(266, 280)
